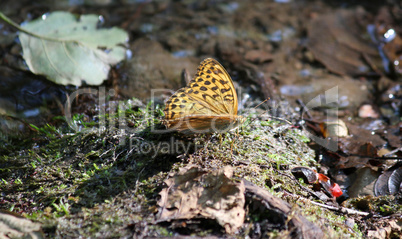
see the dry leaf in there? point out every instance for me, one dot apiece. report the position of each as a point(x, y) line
point(338, 41)
point(70, 49)
point(197, 193)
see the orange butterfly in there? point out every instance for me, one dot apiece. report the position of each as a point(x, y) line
point(207, 104)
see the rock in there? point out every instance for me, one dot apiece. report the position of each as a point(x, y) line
point(153, 70)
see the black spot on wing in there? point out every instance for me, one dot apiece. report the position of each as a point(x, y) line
point(224, 90)
point(218, 72)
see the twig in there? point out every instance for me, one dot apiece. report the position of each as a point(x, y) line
point(341, 209)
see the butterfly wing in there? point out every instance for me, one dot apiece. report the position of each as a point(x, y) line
point(211, 92)
point(205, 123)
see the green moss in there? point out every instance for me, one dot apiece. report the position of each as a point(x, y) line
point(97, 184)
point(385, 205)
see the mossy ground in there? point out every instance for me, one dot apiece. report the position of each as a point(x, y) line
point(106, 183)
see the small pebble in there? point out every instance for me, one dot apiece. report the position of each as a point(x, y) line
point(367, 111)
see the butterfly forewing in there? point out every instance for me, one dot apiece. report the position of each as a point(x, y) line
point(209, 98)
point(213, 85)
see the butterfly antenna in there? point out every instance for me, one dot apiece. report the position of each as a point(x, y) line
point(256, 108)
point(261, 103)
point(185, 77)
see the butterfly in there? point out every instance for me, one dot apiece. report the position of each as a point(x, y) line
point(207, 104)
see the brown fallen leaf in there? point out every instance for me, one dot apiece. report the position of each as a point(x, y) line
point(197, 193)
point(388, 229)
point(389, 182)
point(337, 41)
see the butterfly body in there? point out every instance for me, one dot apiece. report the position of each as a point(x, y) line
point(207, 104)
